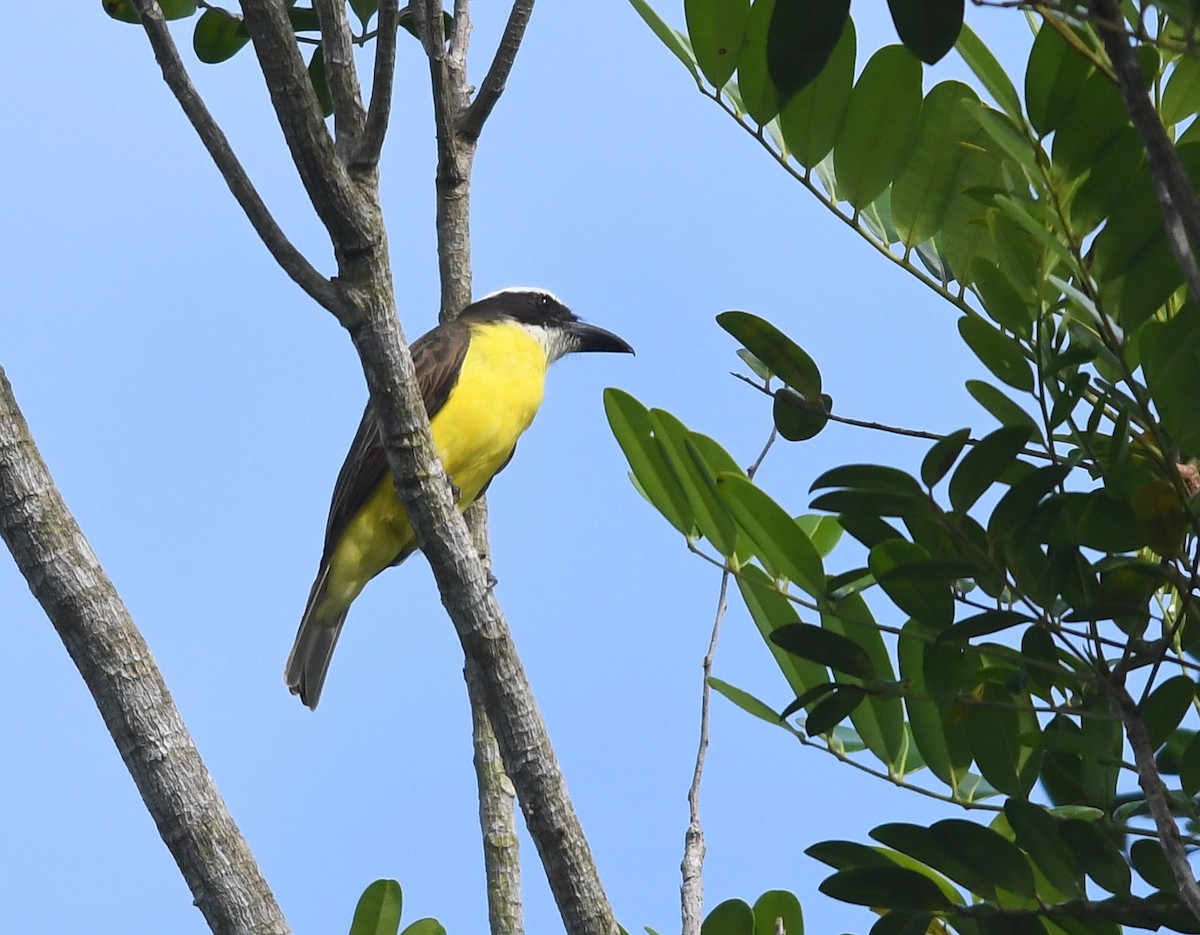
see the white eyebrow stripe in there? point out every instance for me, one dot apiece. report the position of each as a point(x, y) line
point(528, 290)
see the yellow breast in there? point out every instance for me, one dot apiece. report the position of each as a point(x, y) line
point(497, 395)
point(495, 399)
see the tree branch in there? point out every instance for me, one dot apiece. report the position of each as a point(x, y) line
point(497, 816)
point(64, 575)
point(471, 123)
point(349, 217)
point(380, 109)
point(1157, 798)
point(349, 118)
point(176, 77)
point(466, 593)
point(1176, 194)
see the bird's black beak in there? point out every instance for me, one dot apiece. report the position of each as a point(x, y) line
point(590, 338)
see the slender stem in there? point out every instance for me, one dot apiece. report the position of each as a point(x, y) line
point(350, 216)
point(1158, 799)
point(291, 260)
point(1176, 194)
point(471, 123)
point(691, 890)
point(116, 664)
point(380, 109)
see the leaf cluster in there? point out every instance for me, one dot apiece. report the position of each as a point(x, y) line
point(994, 624)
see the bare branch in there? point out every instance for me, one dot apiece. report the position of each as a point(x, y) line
point(349, 217)
point(691, 890)
point(496, 78)
point(176, 77)
point(448, 76)
point(380, 109)
point(497, 818)
point(349, 117)
point(115, 662)
point(1157, 798)
point(1176, 194)
point(466, 593)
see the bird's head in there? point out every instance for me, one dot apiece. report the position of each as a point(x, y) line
point(546, 318)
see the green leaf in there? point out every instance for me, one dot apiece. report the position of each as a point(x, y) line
point(668, 36)
point(987, 853)
point(823, 531)
point(1007, 306)
point(994, 729)
point(1189, 767)
point(760, 97)
point(1003, 409)
point(1054, 77)
point(716, 28)
point(1166, 707)
point(989, 71)
point(927, 180)
point(316, 74)
point(880, 122)
point(889, 887)
point(777, 539)
point(1169, 357)
point(304, 19)
point(928, 28)
point(834, 708)
point(1181, 96)
point(797, 419)
point(378, 909)
point(800, 39)
point(732, 917)
point(219, 35)
point(931, 601)
point(984, 463)
point(1037, 833)
point(1099, 519)
point(771, 611)
point(942, 743)
point(425, 926)
point(982, 624)
point(713, 520)
point(364, 10)
point(1152, 865)
point(879, 722)
point(812, 119)
point(824, 648)
point(1002, 355)
point(631, 426)
point(941, 457)
point(1113, 169)
point(1096, 853)
point(775, 909)
point(177, 9)
point(744, 700)
point(122, 11)
point(786, 359)
point(1089, 127)
point(841, 855)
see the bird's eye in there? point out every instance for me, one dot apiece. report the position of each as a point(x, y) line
point(544, 301)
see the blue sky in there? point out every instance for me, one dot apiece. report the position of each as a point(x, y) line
point(194, 407)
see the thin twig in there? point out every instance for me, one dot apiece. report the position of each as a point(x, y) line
point(1176, 194)
point(291, 260)
point(691, 890)
point(471, 123)
point(1158, 799)
point(380, 109)
point(350, 217)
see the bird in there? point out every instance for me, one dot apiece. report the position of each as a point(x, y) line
point(481, 377)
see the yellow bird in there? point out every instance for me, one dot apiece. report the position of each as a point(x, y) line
point(481, 378)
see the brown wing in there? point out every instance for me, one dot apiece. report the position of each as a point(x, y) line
point(437, 356)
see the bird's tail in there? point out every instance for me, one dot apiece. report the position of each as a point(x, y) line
point(315, 640)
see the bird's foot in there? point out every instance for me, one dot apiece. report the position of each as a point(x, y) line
point(492, 581)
